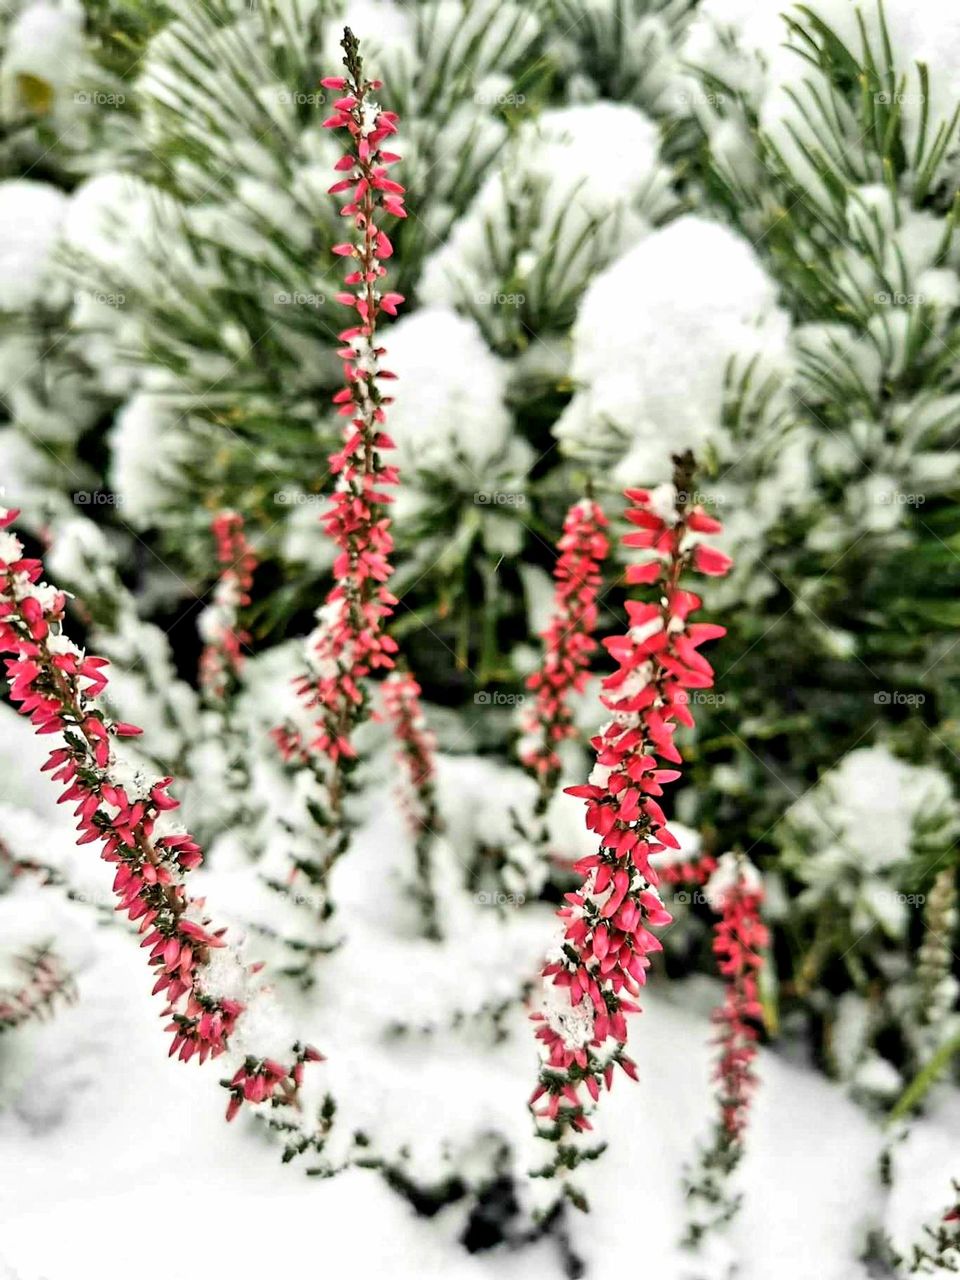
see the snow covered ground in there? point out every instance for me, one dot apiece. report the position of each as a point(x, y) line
point(117, 1162)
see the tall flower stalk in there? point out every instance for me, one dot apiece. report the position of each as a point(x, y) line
point(351, 641)
point(568, 645)
point(206, 983)
point(736, 892)
point(415, 752)
point(221, 625)
point(592, 982)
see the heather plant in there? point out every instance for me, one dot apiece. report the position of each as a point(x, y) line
point(682, 252)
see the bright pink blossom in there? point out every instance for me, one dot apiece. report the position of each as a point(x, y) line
point(594, 982)
point(54, 684)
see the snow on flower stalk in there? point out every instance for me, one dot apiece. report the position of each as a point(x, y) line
point(350, 641)
point(208, 987)
point(416, 748)
point(568, 644)
point(220, 625)
point(736, 892)
point(592, 982)
point(45, 981)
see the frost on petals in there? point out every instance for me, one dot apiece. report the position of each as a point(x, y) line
point(608, 921)
point(55, 685)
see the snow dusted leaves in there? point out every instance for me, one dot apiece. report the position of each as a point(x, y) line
point(208, 987)
point(450, 417)
point(755, 51)
point(873, 810)
point(851, 837)
point(571, 191)
point(593, 980)
point(939, 1247)
point(660, 372)
point(30, 217)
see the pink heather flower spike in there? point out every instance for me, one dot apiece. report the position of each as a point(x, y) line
point(45, 981)
point(568, 644)
point(351, 641)
point(735, 892)
point(592, 983)
point(222, 659)
point(54, 684)
point(416, 749)
point(691, 871)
